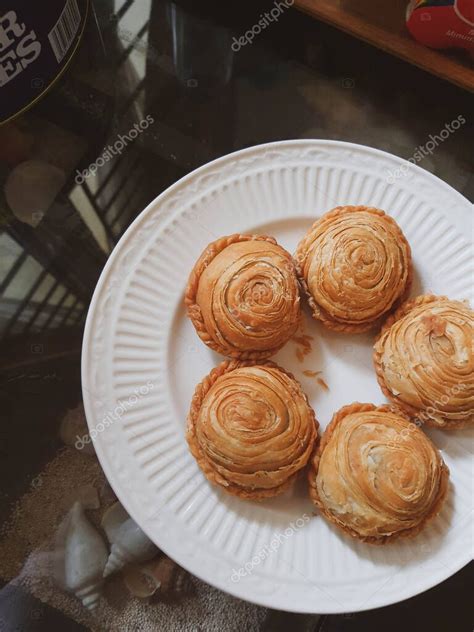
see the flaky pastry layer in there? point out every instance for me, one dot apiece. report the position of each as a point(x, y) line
point(355, 267)
point(424, 361)
point(375, 475)
point(243, 296)
point(251, 428)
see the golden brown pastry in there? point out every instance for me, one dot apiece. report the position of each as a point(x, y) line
point(355, 267)
point(243, 296)
point(424, 360)
point(250, 428)
point(376, 475)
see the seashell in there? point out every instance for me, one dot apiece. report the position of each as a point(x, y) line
point(107, 494)
point(74, 432)
point(87, 495)
point(85, 556)
point(31, 188)
point(130, 544)
point(140, 582)
point(112, 520)
point(174, 581)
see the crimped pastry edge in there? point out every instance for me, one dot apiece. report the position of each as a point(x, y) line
point(317, 311)
point(209, 472)
point(314, 466)
point(194, 311)
point(403, 310)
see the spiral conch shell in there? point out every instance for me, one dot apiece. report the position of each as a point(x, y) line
point(85, 556)
point(112, 520)
point(160, 578)
point(139, 581)
point(130, 544)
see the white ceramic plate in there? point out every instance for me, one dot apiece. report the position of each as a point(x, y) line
point(140, 350)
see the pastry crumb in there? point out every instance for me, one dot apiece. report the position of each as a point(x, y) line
point(304, 346)
point(322, 383)
point(303, 340)
point(309, 373)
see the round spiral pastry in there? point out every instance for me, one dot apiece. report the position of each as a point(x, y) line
point(243, 296)
point(355, 267)
point(424, 360)
point(251, 428)
point(376, 475)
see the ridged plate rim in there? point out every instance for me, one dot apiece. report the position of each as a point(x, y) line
point(94, 365)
